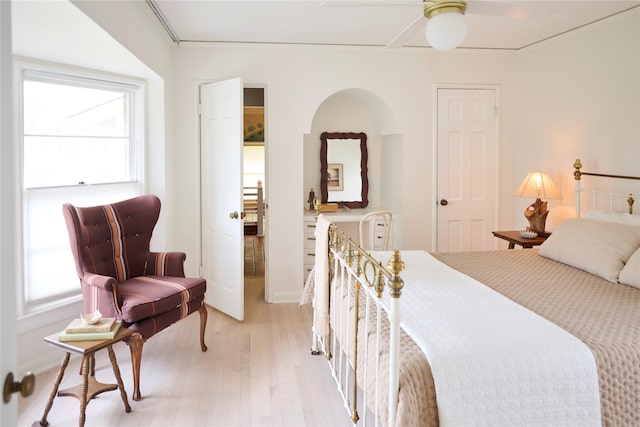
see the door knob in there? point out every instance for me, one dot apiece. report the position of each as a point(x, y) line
point(25, 387)
point(444, 202)
point(233, 215)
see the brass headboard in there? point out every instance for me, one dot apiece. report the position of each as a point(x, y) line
point(577, 166)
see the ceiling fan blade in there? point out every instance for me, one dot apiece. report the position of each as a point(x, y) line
point(370, 3)
point(399, 40)
point(501, 8)
point(509, 9)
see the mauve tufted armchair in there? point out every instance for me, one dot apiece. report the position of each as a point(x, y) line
point(119, 275)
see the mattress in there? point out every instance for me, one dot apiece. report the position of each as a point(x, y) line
point(603, 315)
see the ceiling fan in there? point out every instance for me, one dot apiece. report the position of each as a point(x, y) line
point(446, 27)
point(444, 20)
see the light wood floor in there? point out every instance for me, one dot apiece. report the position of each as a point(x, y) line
point(258, 372)
point(253, 256)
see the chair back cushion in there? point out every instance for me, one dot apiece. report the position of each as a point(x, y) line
point(112, 240)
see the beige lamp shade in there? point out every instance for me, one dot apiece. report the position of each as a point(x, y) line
point(539, 185)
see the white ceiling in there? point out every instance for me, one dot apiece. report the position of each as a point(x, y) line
point(497, 24)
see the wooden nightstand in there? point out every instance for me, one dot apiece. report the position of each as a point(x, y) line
point(514, 238)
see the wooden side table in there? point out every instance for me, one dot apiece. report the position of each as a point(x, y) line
point(514, 238)
point(90, 387)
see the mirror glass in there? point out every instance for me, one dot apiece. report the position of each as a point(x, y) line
point(343, 169)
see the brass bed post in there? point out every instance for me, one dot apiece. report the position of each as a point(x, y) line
point(396, 265)
point(577, 175)
point(352, 253)
point(333, 243)
point(354, 416)
point(356, 315)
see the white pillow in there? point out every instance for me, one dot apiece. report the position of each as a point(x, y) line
point(630, 274)
point(599, 247)
point(619, 217)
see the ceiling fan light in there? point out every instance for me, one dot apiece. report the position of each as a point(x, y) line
point(446, 31)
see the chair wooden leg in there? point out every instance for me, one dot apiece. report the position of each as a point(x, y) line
point(135, 343)
point(203, 325)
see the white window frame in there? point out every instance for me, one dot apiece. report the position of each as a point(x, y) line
point(81, 194)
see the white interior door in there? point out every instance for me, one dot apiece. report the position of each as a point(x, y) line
point(467, 173)
point(8, 262)
point(221, 140)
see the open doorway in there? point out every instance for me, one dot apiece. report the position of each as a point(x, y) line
point(254, 187)
point(223, 214)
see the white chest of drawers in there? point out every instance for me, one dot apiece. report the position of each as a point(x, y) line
point(309, 243)
point(377, 235)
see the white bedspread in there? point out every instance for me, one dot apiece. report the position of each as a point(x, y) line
point(494, 362)
point(321, 283)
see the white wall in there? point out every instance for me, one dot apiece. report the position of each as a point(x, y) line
point(346, 111)
point(403, 79)
point(579, 97)
point(133, 33)
point(49, 31)
point(575, 96)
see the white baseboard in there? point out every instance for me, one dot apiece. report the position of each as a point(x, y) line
point(287, 297)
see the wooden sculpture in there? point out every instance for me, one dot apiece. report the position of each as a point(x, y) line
point(536, 213)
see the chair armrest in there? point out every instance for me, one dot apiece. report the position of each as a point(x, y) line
point(104, 282)
point(165, 264)
point(101, 293)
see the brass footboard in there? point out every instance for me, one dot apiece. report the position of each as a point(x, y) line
point(363, 278)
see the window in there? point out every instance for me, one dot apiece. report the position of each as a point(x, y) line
point(253, 165)
point(81, 144)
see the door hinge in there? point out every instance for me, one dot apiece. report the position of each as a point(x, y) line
point(496, 110)
point(199, 109)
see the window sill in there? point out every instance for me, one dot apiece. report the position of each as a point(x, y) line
point(46, 314)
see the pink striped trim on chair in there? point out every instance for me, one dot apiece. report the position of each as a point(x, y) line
point(161, 259)
point(116, 242)
point(94, 295)
point(185, 293)
point(94, 299)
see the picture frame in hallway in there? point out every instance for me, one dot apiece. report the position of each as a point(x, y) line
point(254, 129)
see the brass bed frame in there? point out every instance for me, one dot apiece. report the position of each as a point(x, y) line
point(367, 276)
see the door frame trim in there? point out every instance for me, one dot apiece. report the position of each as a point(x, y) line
point(434, 151)
point(268, 292)
point(197, 84)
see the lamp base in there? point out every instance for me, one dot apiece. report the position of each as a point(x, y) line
point(536, 213)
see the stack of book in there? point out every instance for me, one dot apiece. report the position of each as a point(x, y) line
point(329, 207)
point(78, 330)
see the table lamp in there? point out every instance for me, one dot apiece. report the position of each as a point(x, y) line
point(539, 185)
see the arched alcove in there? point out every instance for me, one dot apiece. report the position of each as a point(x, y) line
point(359, 110)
